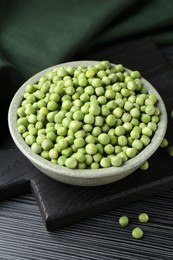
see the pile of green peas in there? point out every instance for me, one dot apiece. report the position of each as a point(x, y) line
point(88, 117)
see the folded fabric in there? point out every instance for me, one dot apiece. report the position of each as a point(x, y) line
point(37, 34)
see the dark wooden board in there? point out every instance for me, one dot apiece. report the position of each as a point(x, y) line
point(61, 204)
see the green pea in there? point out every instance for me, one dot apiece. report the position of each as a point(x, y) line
point(21, 129)
point(95, 166)
point(137, 144)
point(143, 217)
point(30, 110)
point(30, 139)
point(33, 131)
point(155, 119)
point(123, 221)
point(119, 130)
point(21, 112)
point(135, 74)
point(80, 157)
point(39, 126)
point(67, 151)
point(61, 160)
point(96, 82)
point(131, 152)
point(135, 112)
point(106, 80)
point(105, 162)
point(147, 131)
point(164, 143)
point(30, 126)
point(145, 118)
point(66, 105)
point(41, 117)
point(116, 161)
point(61, 72)
point(105, 111)
point(110, 120)
point(117, 112)
point(71, 163)
point(116, 87)
point(88, 159)
point(51, 136)
point(113, 78)
point(140, 100)
point(123, 156)
point(137, 233)
point(90, 139)
point(111, 105)
point(109, 149)
point(118, 149)
point(29, 88)
point(97, 157)
point(79, 142)
point(45, 154)
point(90, 73)
point(131, 85)
point(145, 140)
point(22, 121)
point(50, 116)
point(91, 149)
point(94, 110)
point(144, 166)
point(135, 134)
point(126, 117)
point(47, 144)
point(150, 110)
point(75, 125)
point(104, 138)
point(127, 126)
point(87, 128)
point(78, 115)
point(122, 140)
point(119, 68)
point(53, 154)
point(109, 94)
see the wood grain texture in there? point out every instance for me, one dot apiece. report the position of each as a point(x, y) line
point(61, 204)
point(24, 237)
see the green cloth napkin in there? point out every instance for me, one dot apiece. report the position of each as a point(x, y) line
point(37, 34)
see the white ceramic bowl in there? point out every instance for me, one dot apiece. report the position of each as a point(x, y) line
point(77, 176)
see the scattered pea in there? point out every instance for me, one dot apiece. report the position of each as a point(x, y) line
point(144, 166)
point(164, 143)
point(123, 221)
point(143, 217)
point(137, 233)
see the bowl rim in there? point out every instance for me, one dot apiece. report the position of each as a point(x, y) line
point(84, 173)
